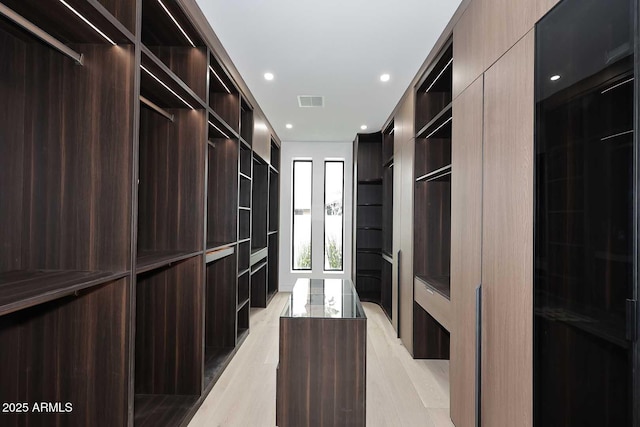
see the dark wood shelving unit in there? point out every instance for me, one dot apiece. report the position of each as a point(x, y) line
point(387, 220)
point(221, 299)
point(126, 170)
point(432, 199)
point(259, 204)
point(181, 50)
point(65, 257)
point(368, 152)
point(222, 185)
point(168, 340)
point(224, 98)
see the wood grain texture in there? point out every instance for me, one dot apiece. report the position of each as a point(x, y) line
point(222, 191)
point(507, 247)
point(434, 303)
point(123, 10)
point(468, 47)
point(76, 194)
point(188, 63)
point(321, 377)
point(220, 303)
point(544, 6)
point(227, 106)
point(466, 248)
point(431, 340)
point(12, 133)
point(169, 304)
point(69, 350)
point(170, 202)
point(261, 136)
point(405, 182)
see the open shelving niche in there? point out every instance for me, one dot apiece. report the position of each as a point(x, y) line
point(273, 242)
point(369, 201)
point(386, 285)
point(172, 154)
point(65, 262)
point(432, 199)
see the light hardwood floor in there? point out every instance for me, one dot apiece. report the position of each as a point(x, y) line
point(400, 391)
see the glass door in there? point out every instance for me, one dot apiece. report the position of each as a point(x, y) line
point(585, 242)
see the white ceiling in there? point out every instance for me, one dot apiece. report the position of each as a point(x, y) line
point(334, 48)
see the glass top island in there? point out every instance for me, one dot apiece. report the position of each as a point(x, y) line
point(323, 298)
point(322, 367)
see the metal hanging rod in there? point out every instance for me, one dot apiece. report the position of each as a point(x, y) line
point(156, 108)
point(41, 34)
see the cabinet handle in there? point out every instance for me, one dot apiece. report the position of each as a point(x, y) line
point(399, 293)
point(478, 353)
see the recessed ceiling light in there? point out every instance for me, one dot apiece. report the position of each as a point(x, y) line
point(385, 77)
point(363, 127)
point(555, 77)
point(268, 76)
point(289, 126)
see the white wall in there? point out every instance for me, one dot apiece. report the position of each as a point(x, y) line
point(318, 152)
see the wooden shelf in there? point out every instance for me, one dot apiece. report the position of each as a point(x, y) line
point(153, 410)
point(375, 181)
point(150, 260)
point(436, 175)
point(441, 285)
point(215, 361)
point(20, 289)
point(439, 121)
point(241, 304)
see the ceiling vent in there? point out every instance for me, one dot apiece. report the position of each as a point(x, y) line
point(309, 101)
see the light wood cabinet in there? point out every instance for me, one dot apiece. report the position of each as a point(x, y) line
point(507, 245)
point(403, 233)
point(466, 248)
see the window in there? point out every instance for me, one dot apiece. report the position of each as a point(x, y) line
point(333, 216)
point(301, 237)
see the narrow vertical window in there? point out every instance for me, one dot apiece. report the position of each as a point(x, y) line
point(333, 215)
point(301, 237)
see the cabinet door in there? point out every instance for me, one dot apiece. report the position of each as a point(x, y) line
point(507, 239)
point(466, 248)
point(584, 247)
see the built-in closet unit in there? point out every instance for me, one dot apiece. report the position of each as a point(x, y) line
point(368, 216)
point(531, 92)
point(373, 188)
point(126, 191)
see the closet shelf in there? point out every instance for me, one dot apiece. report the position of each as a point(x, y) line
point(151, 260)
point(441, 284)
point(241, 304)
point(370, 181)
point(436, 175)
point(442, 119)
point(160, 410)
point(216, 360)
point(20, 289)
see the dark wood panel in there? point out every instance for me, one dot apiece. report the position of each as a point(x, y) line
point(222, 191)
point(12, 134)
point(259, 205)
point(259, 286)
point(369, 156)
point(432, 236)
point(430, 339)
point(432, 154)
point(123, 10)
point(158, 29)
point(169, 304)
point(25, 288)
point(273, 267)
point(77, 188)
point(162, 410)
point(70, 350)
point(326, 386)
point(188, 63)
point(220, 308)
point(227, 106)
point(171, 181)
